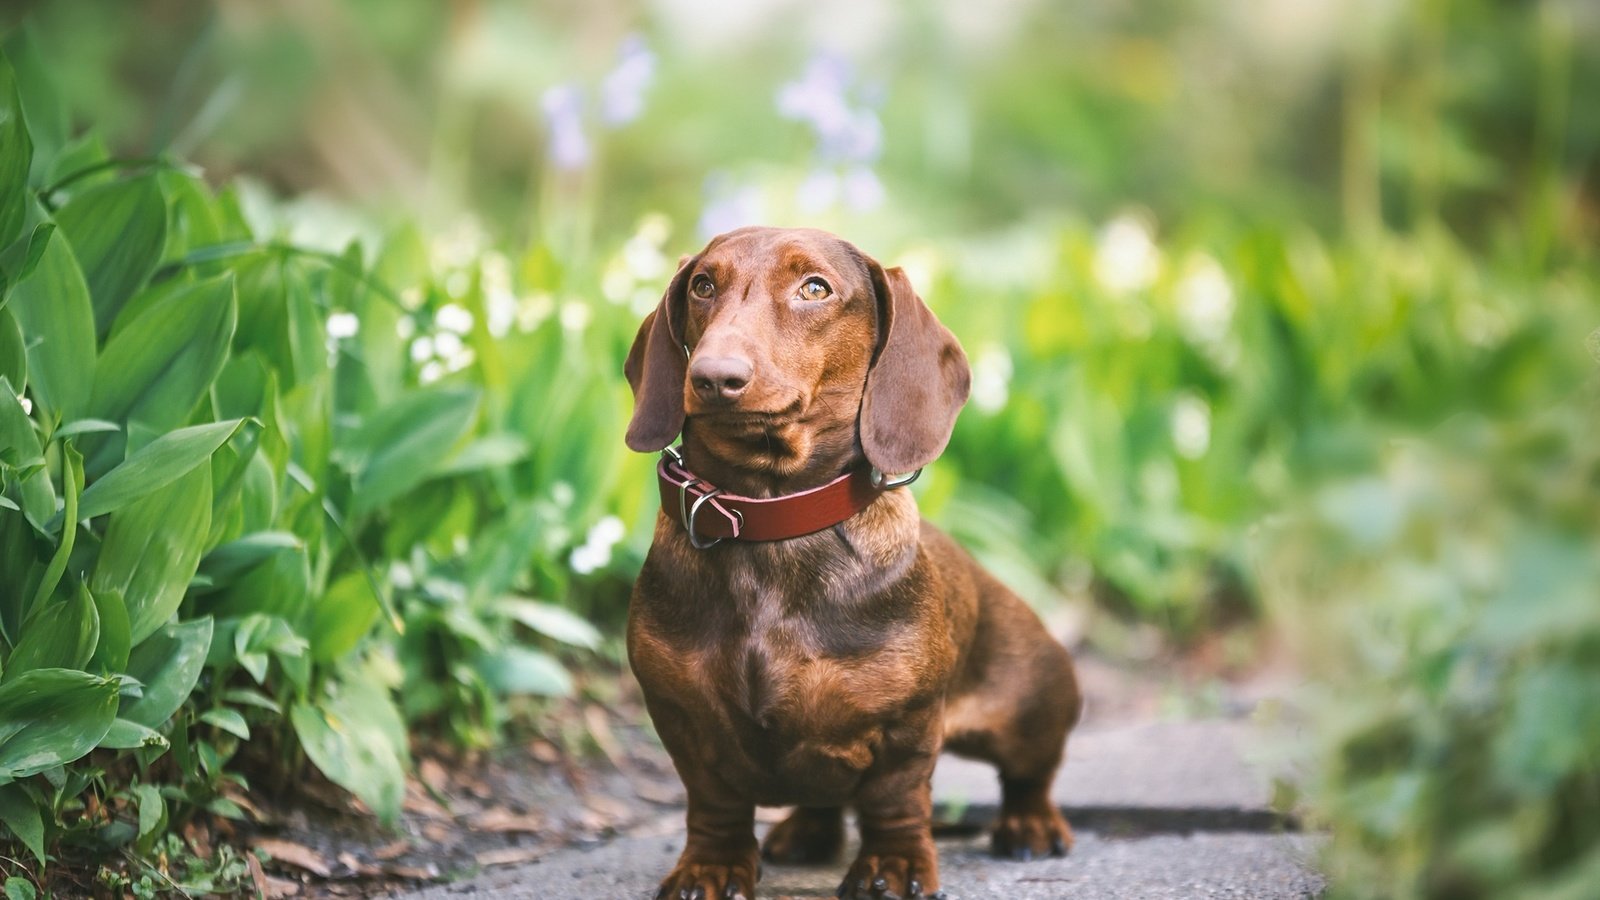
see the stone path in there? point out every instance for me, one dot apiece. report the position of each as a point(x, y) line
point(1161, 810)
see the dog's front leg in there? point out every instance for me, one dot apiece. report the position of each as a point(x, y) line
point(719, 859)
point(898, 857)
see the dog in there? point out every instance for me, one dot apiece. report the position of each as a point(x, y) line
point(800, 635)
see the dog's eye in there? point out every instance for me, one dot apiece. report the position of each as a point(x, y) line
point(703, 288)
point(815, 289)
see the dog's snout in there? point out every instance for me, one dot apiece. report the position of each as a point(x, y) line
point(720, 378)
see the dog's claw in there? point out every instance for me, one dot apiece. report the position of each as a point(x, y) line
point(843, 885)
point(1058, 846)
point(914, 888)
point(880, 884)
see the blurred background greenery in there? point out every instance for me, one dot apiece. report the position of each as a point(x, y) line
point(1279, 311)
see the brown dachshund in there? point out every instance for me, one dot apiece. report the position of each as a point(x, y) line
point(823, 669)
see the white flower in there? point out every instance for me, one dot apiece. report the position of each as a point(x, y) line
point(563, 115)
point(431, 372)
point(500, 310)
point(991, 378)
point(1191, 426)
point(453, 317)
point(562, 494)
point(422, 349)
point(586, 559)
point(1126, 258)
point(575, 315)
point(608, 531)
point(622, 91)
point(446, 344)
point(343, 325)
point(27, 405)
point(405, 327)
point(1205, 301)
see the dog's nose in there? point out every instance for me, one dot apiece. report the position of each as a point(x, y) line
point(720, 378)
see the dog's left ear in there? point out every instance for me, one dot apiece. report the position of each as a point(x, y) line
point(917, 384)
point(656, 370)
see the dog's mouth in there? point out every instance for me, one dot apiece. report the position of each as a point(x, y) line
point(733, 417)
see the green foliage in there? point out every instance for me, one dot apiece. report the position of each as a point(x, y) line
point(1451, 603)
point(206, 503)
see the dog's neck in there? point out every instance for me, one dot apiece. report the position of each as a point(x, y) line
point(786, 459)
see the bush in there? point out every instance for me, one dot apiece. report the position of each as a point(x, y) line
point(219, 507)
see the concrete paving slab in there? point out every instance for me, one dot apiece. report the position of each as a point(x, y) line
point(1231, 865)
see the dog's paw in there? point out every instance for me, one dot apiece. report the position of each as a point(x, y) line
point(806, 837)
point(891, 877)
point(1034, 835)
point(709, 881)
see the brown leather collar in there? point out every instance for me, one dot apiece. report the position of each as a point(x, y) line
point(711, 515)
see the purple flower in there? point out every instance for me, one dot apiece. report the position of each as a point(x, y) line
point(622, 91)
point(563, 115)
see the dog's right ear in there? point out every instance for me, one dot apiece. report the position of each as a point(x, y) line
point(657, 367)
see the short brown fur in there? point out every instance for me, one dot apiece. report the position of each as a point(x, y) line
point(826, 670)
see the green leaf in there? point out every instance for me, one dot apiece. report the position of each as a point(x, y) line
point(19, 888)
point(228, 720)
point(42, 105)
point(118, 231)
point(84, 426)
point(156, 367)
point(152, 810)
point(357, 739)
point(13, 354)
point(154, 466)
point(151, 550)
point(19, 445)
point(551, 621)
point(403, 444)
point(228, 562)
point(50, 717)
point(59, 634)
point(126, 735)
point(342, 616)
point(518, 670)
point(16, 155)
point(111, 653)
point(19, 260)
point(168, 663)
point(19, 813)
point(247, 697)
point(489, 452)
point(52, 306)
point(72, 485)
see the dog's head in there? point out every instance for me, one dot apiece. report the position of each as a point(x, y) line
point(784, 345)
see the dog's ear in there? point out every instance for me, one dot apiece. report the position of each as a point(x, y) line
point(916, 385)
point(656, 369)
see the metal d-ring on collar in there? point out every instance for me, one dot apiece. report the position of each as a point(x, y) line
point(889, 482)
point(688, 513)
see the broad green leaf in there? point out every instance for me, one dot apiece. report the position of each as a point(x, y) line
point(19, 444)
point(20, 888)
point(489, 452)
point(152, 810)
point(168, 663)
point(228, 562)
point(279, 586)
point(50, 717)
point(19, 260)
point(154, 466)
point(84, 426)
point(247, 697)
point(154, 370)
point(42, 104)
point(126, 735)
point(151, 550)
point(16, 155)
point(192, 217)
point(59, 634)
point(117, 231)
point(551, 621)
point(19, 813)
point(111, 653)
point(52, 306)
point(518, 670)
point(342, 616)
point(76, 157)
point(357, 739)
point(228, 720)
point(72, 486)
point(403, 444)
point(13, 354)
